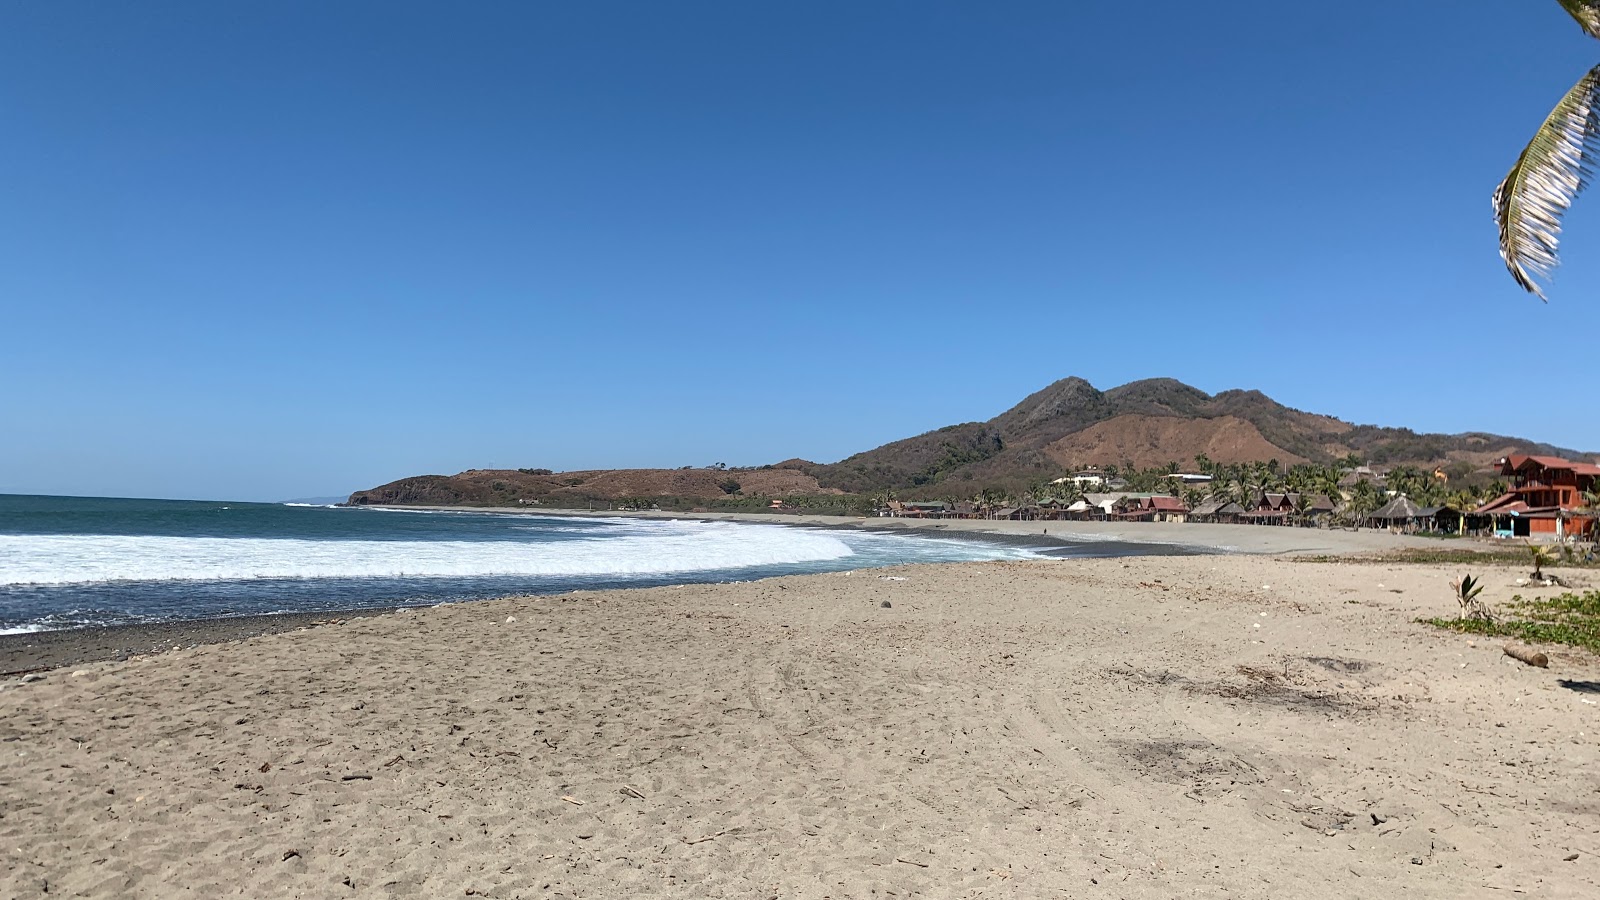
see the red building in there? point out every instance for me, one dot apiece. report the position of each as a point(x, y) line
point(1153, 509)
point(1545, 498)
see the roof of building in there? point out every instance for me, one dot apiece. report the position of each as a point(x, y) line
point(1104, 500)
point(1218, 506)
point(1518, 462)
point(1319, 502)
point(1401, 507)
point(1166, 504)
point(1502, 504)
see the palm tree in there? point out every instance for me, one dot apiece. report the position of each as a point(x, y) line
point(1243, 493)
point(1591, 505)
point(1327, 482)
point(1404, 480)
point(1363, 499)
point(1552, 170)
point(1302, 508)
point(1464, 502)
point(989, 499)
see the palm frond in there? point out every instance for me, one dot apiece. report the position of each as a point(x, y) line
point(1553, 169)
point(1586, 12)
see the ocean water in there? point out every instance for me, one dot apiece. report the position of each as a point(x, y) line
point(69, 562)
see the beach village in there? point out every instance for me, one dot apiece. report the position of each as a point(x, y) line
point(1540, 498)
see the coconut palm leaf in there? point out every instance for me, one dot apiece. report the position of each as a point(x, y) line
point(1587, 12)
point(1554, 168)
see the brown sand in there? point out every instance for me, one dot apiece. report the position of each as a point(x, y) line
point(1162, 727)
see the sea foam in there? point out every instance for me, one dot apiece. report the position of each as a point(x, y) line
point(668, 548)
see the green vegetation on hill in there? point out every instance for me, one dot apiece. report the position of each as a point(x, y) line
point(921, 461)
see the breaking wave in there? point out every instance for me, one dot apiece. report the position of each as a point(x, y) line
point(673, 547)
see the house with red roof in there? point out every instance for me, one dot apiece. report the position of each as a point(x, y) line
point(1156, 508)
point(1545, 498)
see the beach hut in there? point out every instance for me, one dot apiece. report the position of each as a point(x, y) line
point(1083, 510)
point(919, 509)
point(1167, 509)
point(1402, 512)
point(1217, 509)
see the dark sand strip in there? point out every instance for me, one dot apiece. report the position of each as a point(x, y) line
point(41, 650)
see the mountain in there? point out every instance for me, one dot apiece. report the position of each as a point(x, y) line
point(1068, 424)
point(1144, 423)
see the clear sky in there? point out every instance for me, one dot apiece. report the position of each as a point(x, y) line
point(258, 251)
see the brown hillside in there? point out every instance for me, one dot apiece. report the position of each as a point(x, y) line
point(1154, 422)
point(510, 487)
point(1157, 440)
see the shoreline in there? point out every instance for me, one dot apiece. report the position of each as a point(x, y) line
point(36, 651)
point(53, 649)
point(1193, 537)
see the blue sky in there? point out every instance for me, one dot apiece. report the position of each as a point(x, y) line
point(270, 250)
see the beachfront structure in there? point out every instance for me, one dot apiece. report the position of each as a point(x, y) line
point(919, 509)
point(1108, 503)
point(1545, 499)
point(1217, 510)
point(1082, 510)
point(1270, 508)
point(1401, 514)
point(1358, 475)
point(1285, 508)
point(1153, 508)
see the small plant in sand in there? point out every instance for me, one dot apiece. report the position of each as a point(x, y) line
point(1467, 591)
point(1541, 557)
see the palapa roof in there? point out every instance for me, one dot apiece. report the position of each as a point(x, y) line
point(1401, 507)
point(1218, 507)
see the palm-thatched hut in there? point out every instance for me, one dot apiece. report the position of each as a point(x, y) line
point(1401, 513)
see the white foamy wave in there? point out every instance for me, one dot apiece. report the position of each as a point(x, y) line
point(675, 547)
point(21, 629)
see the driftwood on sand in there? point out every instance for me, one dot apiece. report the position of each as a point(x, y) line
point(1528, 655)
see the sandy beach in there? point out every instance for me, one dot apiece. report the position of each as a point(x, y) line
point(1151, 727)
